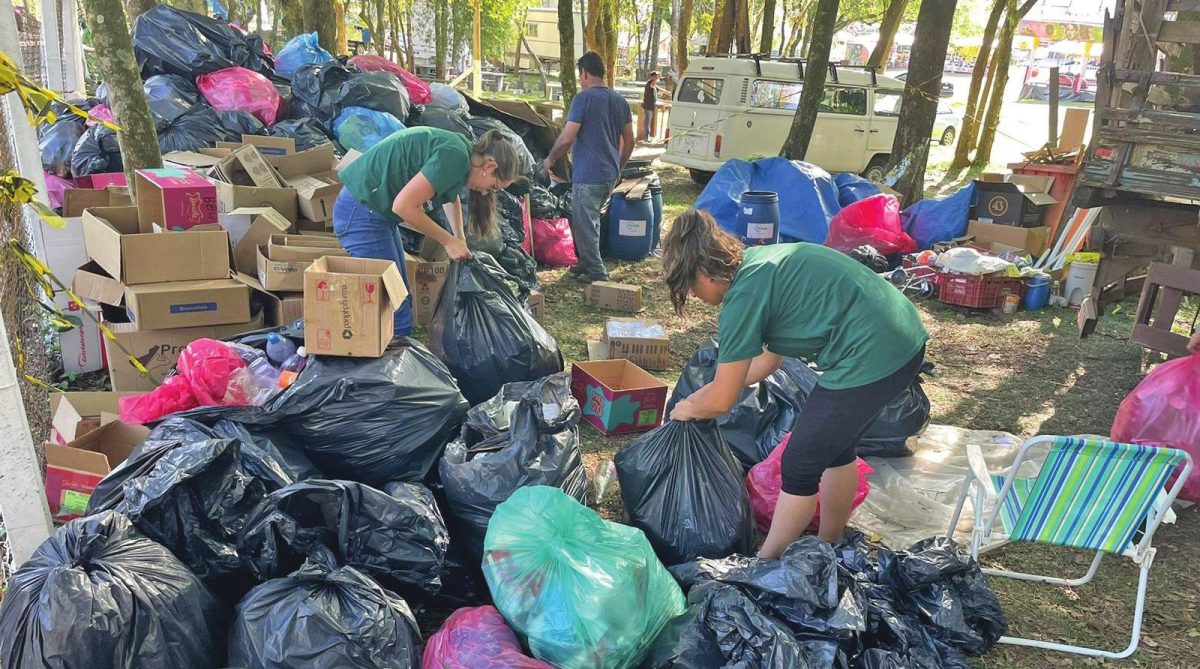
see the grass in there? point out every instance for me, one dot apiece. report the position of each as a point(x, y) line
point(1026, 374)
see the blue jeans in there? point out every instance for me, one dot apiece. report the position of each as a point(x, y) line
point(586, 200)
point(365, 233)
point(647, 122)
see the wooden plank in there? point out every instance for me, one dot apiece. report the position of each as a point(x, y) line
point(1180, 78)
point(1183, 6)
point(1158, 340)
point(1182, 32)
point(1182, 278)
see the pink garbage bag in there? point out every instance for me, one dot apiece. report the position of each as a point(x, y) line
point(418, 91)
point(56, 189)
point(100, 111)
point(477, 638)
point(1164, 410)
point(765, 479)
point(553, 244)
point(239, 89)
point(872, 220)
point(210, 373)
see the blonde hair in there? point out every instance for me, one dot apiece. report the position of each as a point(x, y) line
point(481, 207)
point(695, 243)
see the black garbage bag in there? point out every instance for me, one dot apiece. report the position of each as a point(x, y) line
point(542, 203)
point(563, 192)
point(198, 128)
point(98, 593)
point(316, 90)
point(57, 141)
point(897, 639)
point(903, 417)
point(324, 616)
point(529, 167)
point(528, 434)
point(381, 91)
point(946, 590)
point(685, 470)
point(724, 628)
point(170, 96)
point(520, 266)
point(97, 152)
point(483, 333)
point(867, 256)
point(437, 117)
point(167, 40)
point(307, 132)
point(237, 123)
point(397, 536)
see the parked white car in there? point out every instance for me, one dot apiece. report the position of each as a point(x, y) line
point(946, 124)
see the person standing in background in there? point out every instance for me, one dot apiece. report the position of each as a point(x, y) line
point(649, 105)
point(600, 128)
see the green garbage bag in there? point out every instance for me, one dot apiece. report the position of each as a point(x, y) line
point(583, 593)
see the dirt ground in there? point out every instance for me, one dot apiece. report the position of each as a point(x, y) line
point(1026, 374)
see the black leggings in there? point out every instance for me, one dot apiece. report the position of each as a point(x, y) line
point(832, 422)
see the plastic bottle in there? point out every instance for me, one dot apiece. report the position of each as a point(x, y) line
point(279, 349)
point(292, 367)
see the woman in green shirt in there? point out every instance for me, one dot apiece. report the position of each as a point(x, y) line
point(394, 180)
point(805, 301)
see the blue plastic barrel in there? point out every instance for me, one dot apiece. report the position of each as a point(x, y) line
point(657, 201)
point(1037, 293)
point(758, 218)
point(630, 227)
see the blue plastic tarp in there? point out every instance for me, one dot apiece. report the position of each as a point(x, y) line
point(932, 220)
point(808, 197)
point(852, 188)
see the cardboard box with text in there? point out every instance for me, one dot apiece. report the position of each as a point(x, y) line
point(175, 198)
point(349, 304)
point(75, 469)
point(617, 396)
point(616, 296)
point(116, 239)
point(188, 304)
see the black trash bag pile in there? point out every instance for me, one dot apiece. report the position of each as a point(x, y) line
point(483, 333)
point(528, 167)
point(397, 536)
point(198, 128)
point(867, 256)
point(307, 132)
point(437, 117)
point(174, 41)
point(237, 123)
point(528, 434)
point(381, 91)
point(170, 96)
point(321, 616)
point(316, 90)
point(57, 141)
point(566, 208)
point(97, 152)
point(763, 414)
point(98, 593)
point(520, 265)
point(684, 489)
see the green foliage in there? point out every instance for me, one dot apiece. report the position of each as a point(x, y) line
point(871, 12)
point(964, 25)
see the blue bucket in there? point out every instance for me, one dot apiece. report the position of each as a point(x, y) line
point(629, 228)
point(758, 218)
point(1037, 293)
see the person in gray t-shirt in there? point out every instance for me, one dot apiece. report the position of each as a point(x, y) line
point(600, 127)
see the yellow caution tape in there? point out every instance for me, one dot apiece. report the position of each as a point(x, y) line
point(38, 101)
point(19, 190)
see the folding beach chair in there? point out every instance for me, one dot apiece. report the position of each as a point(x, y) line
point(1089, 494)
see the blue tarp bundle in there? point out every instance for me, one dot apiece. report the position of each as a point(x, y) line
point(852, 188)
point(808, 197)
point(931, 220)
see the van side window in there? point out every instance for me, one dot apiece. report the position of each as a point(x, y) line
point(765, 94)
point(887, 103)
point(700, 91)
point(844, 101)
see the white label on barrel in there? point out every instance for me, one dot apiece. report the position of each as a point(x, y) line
point(760, 230)
point(747, 210)
point(631, 228)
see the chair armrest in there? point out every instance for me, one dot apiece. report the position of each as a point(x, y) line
point(979, 470)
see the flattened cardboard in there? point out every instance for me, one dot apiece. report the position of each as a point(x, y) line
point(74, 470)
point(617, 396)
point(93, 283)
point(188, 304)
point(1033, 241)
point(80, 347)
point(113, 237)
point(175, 198)
point(616, 296)
point(302, 248)
point(349, 304)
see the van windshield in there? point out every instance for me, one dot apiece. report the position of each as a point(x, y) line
point(700, 91)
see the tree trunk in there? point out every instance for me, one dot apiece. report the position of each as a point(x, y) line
point(378, 32)
point(741, 26)
point(683, 35)
point(566, 51)
point(291, 18)
point(409, 47)
point(767, 43)
point(969, 133)
point(795, 146)
point(591, 39)
point(137, 7)
point(441, 38)
point(601, 33)
point(1013, 16)
point(887, 35)
point(118, 68)
point(339, 20)
point(918, 108)
point(320, 16)
point(793, 43)
point(809, 23)
point(783, 32)
point(656, 10)
point(720, 39)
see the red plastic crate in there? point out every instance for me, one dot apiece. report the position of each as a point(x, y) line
point(977, 292)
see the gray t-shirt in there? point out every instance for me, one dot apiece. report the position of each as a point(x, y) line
point(602, 115)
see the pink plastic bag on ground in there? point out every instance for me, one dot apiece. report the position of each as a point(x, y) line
point(1164, 410)
point(56, 189)
point(765, 478)
point(477, 638)
point(418, 91)
point(239, 89)
point(873, 220)
point(553, 244)
point(210, 373)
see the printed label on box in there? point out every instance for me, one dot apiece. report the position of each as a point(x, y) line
point(194, 307)
point(631, 228)
point(74, 502)
point(760, 230)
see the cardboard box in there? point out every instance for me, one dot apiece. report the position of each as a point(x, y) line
point(64, 246)
point(276, 308)
point(77, 413)
point(1022, 200)
point(74, 470)
point(156, 350)
point(231, 197)
point(306, 226)
point(247, 167)
point(425, 280)
point(537, 305)
point(1033, 241)
point(91, 282)
point(616, 296)
point(649, 348)
point(82, 347)
point(102, 180)
point(302, 247)
point(617, 396)
point(290, 307)
point(114, 237)
point(316, 193)
point(250, 228)
point(202, 163)
point(175, 198)
point(188, 304)
point(310, 161)
point(349, 304)
point(282, 275)
point(270, 146)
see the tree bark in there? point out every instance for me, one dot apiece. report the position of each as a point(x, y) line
point(378, 31)
point(795, 146)
point(119, 70)
point(720, 39)
point(601, 33)
point(290, 18)
point(969, 133)
point(683, 35)
point(887, 35)
point(566, 51)
point(741, 26)
point(656, 10)
point(918, 108)
point(793, 43)
point(767, 43)
point(409, 47)
point(987, 136)
point(783, 32)
point(137, 7)
point(320, 17)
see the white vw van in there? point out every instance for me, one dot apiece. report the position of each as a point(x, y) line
point(742, 107)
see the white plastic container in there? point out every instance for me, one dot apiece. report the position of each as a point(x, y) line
point(1080, 278)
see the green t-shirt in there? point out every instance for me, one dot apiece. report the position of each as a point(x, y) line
point(444, 158)
point(811, 302)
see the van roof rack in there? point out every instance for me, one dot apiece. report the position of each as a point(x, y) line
point(759, 57)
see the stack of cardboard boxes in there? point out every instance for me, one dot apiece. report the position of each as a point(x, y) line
point(1009, 213)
